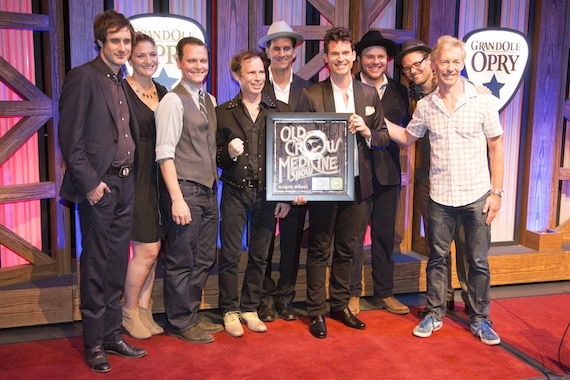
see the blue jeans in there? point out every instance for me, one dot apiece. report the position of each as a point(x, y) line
point(441, 230)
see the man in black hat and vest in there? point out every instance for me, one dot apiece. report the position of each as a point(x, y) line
point(281, 84)
point(374, 52)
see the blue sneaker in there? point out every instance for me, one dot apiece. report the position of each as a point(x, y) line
point(428, 325)
point(483, 329)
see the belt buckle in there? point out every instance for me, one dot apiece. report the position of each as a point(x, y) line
point(124, 171)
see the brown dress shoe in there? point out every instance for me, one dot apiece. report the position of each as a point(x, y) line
point(194, 335)
point(391, 304)
point(354, 305)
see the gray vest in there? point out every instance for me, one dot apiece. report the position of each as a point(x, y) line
point(195, 156)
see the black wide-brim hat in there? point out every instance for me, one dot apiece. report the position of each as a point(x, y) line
point(409, 46)
point(374, 38)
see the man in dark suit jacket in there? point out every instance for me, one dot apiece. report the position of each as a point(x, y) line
point(341, 221)
point(281, 84)
point(374, 52)
point(98, 138)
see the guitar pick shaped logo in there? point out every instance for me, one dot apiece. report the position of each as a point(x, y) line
point(496, 58)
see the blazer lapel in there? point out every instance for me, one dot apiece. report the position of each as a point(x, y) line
point(328, 97)
point(359, 101)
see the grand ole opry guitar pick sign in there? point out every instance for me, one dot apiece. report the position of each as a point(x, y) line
point(496, 58)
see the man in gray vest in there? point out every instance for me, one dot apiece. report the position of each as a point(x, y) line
point(186, 151)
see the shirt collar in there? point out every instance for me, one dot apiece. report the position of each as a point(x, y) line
point(193, 90)
point(384, 83)
point(105, 70)
point(349, 90)
point(271, 76)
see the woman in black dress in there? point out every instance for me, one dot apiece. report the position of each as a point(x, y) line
point(143, 95)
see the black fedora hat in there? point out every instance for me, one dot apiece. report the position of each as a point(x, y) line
point(374, 38)
point(410, 46)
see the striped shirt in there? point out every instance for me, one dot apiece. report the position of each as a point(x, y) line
point(459, 173)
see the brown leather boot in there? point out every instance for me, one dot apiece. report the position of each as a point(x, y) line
point(133, 325)
point(391, 304)
point(148, 320)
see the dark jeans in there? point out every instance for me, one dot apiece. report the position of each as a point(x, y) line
point(105, 236)
point(337, 223)
point(190, 254)
point(236, 206)
point(291, 234)
point(442, 226)
point(384, 207)
point(422, 194)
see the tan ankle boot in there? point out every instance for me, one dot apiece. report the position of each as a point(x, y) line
point(354, 305)
point(133, 325)
point(148, 320)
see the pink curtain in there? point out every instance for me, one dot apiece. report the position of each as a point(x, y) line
point(23, 218)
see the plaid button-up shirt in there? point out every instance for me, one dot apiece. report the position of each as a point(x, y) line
point(459, 173)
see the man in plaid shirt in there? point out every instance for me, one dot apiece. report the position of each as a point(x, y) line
point(466, 141)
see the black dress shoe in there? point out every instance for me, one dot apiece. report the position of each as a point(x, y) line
point(318, 327)
point(124, 349)
point(423, 312)
point(286, 311)
point(96, 359)
point(267, 313)
point(468, 309)
point(346, 317)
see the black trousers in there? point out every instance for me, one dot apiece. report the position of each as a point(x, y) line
point(382, 212)
point(291, 235)
point(339, 224)
point(236, 208)
point(105, 236)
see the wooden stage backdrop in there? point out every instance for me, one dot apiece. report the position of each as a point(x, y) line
point(535, 219)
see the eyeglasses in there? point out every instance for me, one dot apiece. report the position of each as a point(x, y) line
point(415, 65)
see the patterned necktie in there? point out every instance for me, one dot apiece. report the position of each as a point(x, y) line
point(202, 102)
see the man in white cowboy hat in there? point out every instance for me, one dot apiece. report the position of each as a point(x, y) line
point(374, 52)
point(283, 85)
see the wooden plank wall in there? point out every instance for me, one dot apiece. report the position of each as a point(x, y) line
point(546, 114)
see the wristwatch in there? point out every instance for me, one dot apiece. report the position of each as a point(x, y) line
point(498, 192)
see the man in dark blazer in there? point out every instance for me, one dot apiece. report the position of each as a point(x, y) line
point(98, 139)
point(374, 53)
point(341, 221)
point(281, 84)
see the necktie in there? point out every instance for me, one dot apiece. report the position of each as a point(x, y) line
point(202, 102)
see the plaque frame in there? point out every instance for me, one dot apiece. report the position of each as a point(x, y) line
point(307, 129)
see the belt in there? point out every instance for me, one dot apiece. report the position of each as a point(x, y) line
point(253, 183)
point(121, 171)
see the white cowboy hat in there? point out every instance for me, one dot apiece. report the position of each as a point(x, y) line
point(280, 29)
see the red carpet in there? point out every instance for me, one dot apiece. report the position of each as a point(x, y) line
point(386, 350)
point(535, 325)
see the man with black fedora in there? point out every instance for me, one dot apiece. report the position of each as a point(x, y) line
point(276, 299)
point(374, 52)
